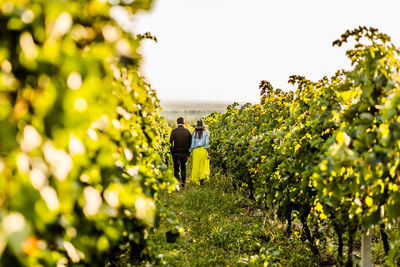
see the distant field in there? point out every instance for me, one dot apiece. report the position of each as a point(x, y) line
point(190, 110)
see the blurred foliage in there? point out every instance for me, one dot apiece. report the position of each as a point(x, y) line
point(81, 138)
point(327, 153)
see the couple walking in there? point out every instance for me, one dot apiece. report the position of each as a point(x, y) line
point(183, 143)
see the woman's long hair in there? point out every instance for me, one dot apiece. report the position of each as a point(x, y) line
point(198, 133)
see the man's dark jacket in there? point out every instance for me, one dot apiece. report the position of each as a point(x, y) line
point(180, 139)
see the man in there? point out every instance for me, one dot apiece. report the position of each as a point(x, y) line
point(180, 140)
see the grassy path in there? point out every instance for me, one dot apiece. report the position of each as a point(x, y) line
point(222, 228)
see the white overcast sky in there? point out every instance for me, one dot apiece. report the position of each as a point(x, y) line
point(219, 50)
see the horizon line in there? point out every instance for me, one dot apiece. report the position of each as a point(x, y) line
point(211, 101)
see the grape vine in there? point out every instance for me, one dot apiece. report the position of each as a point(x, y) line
point(81, 139)
point(327, 152)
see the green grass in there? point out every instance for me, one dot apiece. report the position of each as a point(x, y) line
point(223, 228)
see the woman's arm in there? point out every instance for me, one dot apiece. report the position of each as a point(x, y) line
point(206, 141)
point(192, 145)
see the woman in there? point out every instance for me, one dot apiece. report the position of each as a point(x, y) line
point(201, 150)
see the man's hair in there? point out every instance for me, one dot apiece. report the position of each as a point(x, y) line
point(180, 120)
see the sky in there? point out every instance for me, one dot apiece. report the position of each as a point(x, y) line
point(220, 50)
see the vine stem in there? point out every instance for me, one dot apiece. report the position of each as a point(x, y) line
point(366, 259)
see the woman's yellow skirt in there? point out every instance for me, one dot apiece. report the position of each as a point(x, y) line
point(200, 165)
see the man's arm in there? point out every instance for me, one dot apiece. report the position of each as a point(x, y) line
point(189, 137)
point(171, 141)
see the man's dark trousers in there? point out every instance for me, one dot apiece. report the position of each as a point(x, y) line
point(180, 140)
point(180, 161)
